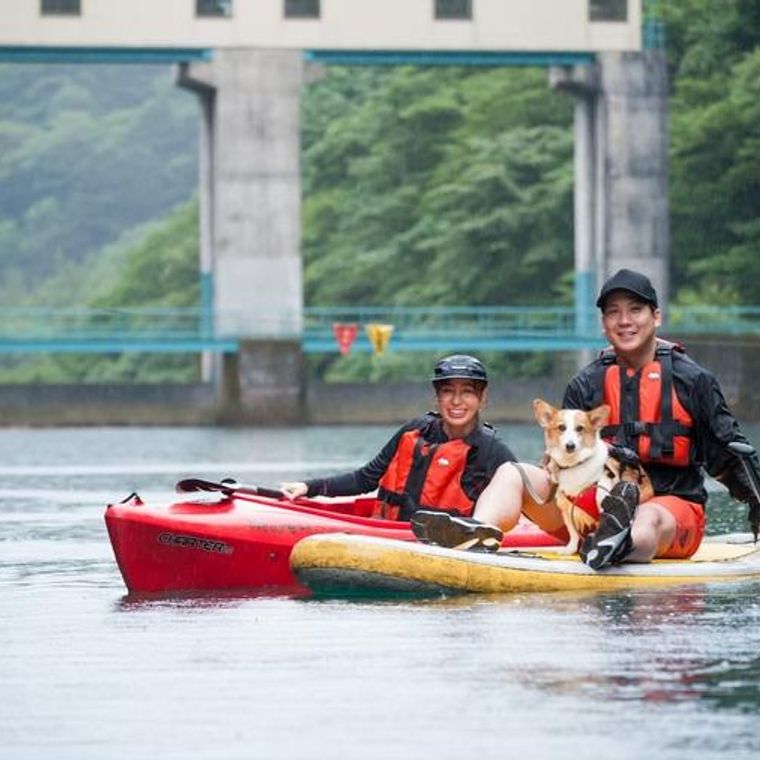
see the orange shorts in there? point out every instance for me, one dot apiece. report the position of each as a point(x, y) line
point(690, 526)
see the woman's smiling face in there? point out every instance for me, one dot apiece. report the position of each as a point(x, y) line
point(459, 403)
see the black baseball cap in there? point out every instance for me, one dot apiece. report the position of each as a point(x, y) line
point(633, 282)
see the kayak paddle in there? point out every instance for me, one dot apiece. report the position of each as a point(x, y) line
point(746, 454)
point(228, 487)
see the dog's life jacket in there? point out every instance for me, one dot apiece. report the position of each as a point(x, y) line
point(585, 501)
point(426, 475)
point(646, 414)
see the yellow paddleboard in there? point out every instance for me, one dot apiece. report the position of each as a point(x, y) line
point(346, 564)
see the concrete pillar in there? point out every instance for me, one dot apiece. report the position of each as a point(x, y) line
point(250, 228)
point(621, 171)
point(584, 201)
point(632, 129)
point(581, 83)
point(209, 361)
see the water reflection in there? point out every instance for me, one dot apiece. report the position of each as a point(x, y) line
point(721, 683)
point(729, 684)
point(636, 613)
point(199, 600)
point(689, 644)
point(725, 684)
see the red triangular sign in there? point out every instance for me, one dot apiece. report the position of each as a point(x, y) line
point(345, 333)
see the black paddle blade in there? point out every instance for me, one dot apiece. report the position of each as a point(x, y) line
point(190, 485)
point(228, 487)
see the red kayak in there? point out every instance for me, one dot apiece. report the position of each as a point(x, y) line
point(241, 539)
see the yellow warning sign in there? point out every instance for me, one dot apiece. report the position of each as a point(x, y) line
point(379, 336)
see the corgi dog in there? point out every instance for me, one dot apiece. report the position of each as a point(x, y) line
point(575, 457)
point(583, 467)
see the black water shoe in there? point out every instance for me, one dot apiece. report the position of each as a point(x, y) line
point(455, 532)
point(611, 543)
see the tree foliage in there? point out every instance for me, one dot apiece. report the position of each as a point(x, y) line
point(435, 178)
point(715, 150)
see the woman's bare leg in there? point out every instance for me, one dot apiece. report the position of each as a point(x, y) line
point(506, 497)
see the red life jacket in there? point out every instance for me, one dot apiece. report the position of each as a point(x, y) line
point(646, 414)
point(424, 475)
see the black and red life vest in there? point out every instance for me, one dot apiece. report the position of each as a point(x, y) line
point(426, 475)
point(646, 414)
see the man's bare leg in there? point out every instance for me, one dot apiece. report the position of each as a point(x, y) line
point(652, 532)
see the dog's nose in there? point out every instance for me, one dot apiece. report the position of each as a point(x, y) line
point(570, 446)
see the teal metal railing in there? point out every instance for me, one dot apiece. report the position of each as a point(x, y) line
point(80, 330)
point(433, 328)
point(714, 320)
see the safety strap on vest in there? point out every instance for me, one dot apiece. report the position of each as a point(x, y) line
point(421, 460)
point(606, 359)
point(661, 437)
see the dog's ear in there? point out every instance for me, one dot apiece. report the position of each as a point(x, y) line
point(543, 411)
point(599, 416)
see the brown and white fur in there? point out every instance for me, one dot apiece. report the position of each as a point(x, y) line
point(615, 471)
point(578, 458)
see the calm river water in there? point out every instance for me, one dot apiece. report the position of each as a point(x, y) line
point(87, 672)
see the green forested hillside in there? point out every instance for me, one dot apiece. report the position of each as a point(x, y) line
point(421, 185)
point(87, 153)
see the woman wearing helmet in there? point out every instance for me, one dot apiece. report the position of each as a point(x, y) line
point(442, 461)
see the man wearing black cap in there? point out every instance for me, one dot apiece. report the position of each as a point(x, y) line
point(669, 411)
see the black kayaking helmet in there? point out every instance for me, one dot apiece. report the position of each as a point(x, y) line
point(460, 367)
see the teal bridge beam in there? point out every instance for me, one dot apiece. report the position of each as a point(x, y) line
point(115, 55)
point(448, 58)
point(166, 55)
point(434, 328)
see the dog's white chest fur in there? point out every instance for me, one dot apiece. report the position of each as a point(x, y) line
point(573, 480)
